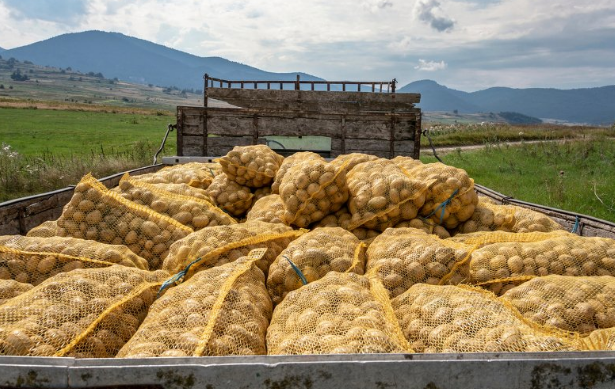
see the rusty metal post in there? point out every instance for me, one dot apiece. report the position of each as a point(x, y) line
point(297, 84)
point(393, 85)
point(205, 82)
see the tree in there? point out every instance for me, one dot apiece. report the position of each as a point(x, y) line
point(17, 76)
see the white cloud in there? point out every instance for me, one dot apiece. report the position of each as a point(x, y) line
point(430, 66)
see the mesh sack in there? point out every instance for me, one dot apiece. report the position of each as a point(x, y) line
point(381, 195)
point(44, 230)
point(501, 266)
point(86, 313)
point(183, 189)
point(349, 161)
point(215, 246)
point(189, 211)
point(402, 257)
point(313, 255)
point(341, 313)
point(406, 163)
point(600, 340)
point(96, 213)
point(425, 225)
point(287, 163)
point(12, 288)
point(490, 216)
point(342, 219)
point(252, 166)
point(195, 174)
point(229, 195)
point(312, 189)
point(575, 304)
point(450, 198)
point(33, 260)
point(220, 311)
point(453, 319)
point(268, 209)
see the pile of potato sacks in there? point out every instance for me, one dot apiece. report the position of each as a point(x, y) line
point(260, 254)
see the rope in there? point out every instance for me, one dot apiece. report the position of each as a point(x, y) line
point(577, 222)
point(296, 269)
point(426, 133)
point(443, 206)
point(176, 277)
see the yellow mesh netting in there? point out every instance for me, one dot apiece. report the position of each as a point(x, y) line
point(183, 189)
point(490, 216)
point(33, 260)
point(341, 313)
point(261, 192)
point(576, 304)
point(312, 189)
point(96, 213)
point(287, 163)
point(252, 166)
point(268, 209)
point(342, 218)
point(86, 313)
point(500, 266)
point(224, 310)
point(314, 254)
point(44, 230)
point(219, 245)
point(12, 288)
point(406, 163)
point(402, 257)
point(451, 199)
point(426, 225)
point(349, 161)
point(382, 194)
point(229, 195)
point(196, 174)
point(189, 211)
point(454, 319)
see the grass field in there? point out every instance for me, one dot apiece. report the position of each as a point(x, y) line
point(572, 175)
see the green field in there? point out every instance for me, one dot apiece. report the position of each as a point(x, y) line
point(63, 133)
point(572, 175)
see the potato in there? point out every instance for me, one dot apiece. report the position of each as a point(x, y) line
point(449, 186)
point(87, 313)
point(194, 174)
point(453, 319)
point(339, 313)
point(44, 230)
point(183, 189)
point(426, 226)
point(403, 257)
point(315, 253)
point(261, 192)
point(349, 161)
point(252, 166)
point(222, 244)
point(33, 260)
point(109, 218)
point(578, 304)
point(268, 209)
point(311, 190)
point(287, 163)
point(220, 311)
point(406, 163)
point(191, 212)
point(230, 196)
point(342, 218)
point(381, 195)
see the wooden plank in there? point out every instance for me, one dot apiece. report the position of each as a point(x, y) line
point(192, 146)
point(367, 145)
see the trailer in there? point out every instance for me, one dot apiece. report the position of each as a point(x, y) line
point(365, 117)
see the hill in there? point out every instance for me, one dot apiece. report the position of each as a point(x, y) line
point(586, 105)
point(136, 60)
point(1, 49)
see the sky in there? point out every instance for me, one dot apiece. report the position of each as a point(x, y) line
point(464, 44)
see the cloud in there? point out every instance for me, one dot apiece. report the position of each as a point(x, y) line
point(58, 11)
point(429, 11)
point(375, 5)
point(430, 66)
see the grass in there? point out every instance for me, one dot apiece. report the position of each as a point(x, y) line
point(573, 175)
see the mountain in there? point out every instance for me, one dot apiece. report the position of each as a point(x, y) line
point(586, 105)
point(137, 60)
point(1, 49)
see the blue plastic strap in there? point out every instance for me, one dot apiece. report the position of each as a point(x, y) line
point(443, 206)
point(296, 269)
point(575, 228)
point(176, 277)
